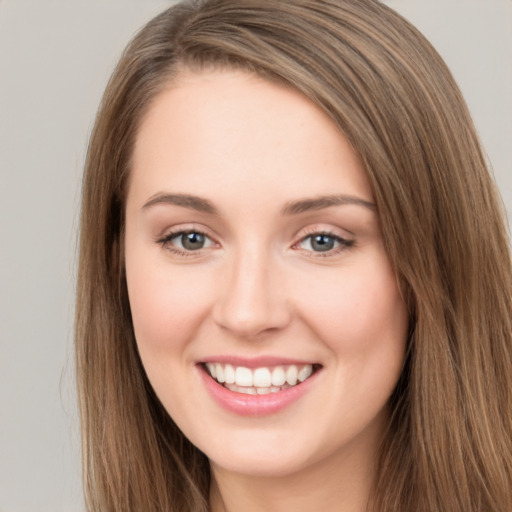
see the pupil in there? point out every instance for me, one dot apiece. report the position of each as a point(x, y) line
point(322, 243)
point(192, 241)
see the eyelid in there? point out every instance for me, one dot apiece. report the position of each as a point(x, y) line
point(344, 242)
point(323, 229)
point(168, 235)
point(182, 228)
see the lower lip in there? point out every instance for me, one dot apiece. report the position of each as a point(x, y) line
point(255, 405)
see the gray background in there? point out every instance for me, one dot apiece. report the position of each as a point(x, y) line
point(55, 58)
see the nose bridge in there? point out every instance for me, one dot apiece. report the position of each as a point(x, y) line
point(252, 299)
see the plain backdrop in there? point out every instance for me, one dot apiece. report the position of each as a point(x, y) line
point(55, 58)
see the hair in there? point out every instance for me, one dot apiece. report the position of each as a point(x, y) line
point(449, 441)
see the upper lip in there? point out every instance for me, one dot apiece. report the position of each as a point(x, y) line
point(257, 362)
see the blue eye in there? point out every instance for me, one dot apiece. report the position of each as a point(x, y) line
point(324, 243)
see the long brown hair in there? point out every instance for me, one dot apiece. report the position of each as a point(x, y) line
point(449, 443)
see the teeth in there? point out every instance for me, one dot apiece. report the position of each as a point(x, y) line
point(305, 372)
point(260, 381)
point(262, 378)
point(219, 372)
point(291, 375)
point(229, 374)
point(243, 376)
point(278, 376)
point(255, 391)
point(211, 369)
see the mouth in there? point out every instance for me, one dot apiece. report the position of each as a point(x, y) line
point(259, 381)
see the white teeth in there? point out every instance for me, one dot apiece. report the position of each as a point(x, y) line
point(219, 371)
point(278, 376)
point(211, 369)
point(305, 372)
point(243, 376)
point(229, 374)
point(255, 391)
point(260, 380)
point(291, 375)
point(242, 389)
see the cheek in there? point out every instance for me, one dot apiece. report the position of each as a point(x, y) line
point(167, 308)
point(359, 312)
point(363, 321)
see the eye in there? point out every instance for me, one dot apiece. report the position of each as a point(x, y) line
point(324, 243)
point(186, 241)
point(190, 241)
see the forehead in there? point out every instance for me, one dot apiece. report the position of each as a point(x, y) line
point(235, 129)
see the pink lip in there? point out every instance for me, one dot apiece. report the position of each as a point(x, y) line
point(255, 405)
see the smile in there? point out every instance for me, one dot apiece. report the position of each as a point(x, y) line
point(259, 381)
point(257, 388)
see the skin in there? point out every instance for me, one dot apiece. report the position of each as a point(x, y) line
point(259, 287)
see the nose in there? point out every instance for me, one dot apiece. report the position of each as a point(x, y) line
point(252, 299)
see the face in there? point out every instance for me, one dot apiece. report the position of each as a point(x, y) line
point(265, 309)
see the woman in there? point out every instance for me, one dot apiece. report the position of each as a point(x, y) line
point(295, 284)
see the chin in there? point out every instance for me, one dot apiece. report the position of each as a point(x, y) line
point(259, 463)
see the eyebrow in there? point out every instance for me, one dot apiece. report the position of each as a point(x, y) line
point(185, 200)
point(292, 208)
point(319, 203)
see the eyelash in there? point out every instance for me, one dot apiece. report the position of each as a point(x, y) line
point(166, 240)
point(343, 243)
